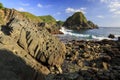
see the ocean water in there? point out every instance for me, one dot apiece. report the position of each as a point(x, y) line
point(93, 34)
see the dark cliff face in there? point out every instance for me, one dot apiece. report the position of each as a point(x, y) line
point(78, 21)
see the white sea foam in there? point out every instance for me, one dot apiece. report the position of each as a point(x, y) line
point(85, 36)
point(117, 35)
point(69, 32)
point(65, 31)
point(100, 38)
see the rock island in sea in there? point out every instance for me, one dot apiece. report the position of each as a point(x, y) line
point(30, 51)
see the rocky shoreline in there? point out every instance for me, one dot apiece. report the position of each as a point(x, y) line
point(28, 51)
point(91, 60)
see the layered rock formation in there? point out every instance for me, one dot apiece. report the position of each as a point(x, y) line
point(78, 21)
point(8, 14)
point(41, 21)
point(41, 52)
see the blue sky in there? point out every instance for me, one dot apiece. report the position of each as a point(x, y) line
point(105, 13)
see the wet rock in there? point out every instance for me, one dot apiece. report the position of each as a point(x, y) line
point(96, 58)
point(111, 36)
point(118, 38)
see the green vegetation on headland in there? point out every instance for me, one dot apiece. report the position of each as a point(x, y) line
point(60, 22)
point(31, 16)
point(78, 21)
point(48, 19)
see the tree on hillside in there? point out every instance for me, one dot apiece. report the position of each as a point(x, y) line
point(1, 6)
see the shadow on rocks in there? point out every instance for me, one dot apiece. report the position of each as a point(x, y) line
point(13, 67)
point(6, 30)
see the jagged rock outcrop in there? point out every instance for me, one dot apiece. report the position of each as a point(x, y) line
point(7, 15)
point(78, 21)
point(42, 46)
point(50, 24)
point(35, 45)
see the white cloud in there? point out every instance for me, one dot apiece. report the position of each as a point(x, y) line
point(24, 4)
point(117, 12)
point(100, 16)
point(113, 6)
point(39, 5)
point(72, 10)
point(21, 9)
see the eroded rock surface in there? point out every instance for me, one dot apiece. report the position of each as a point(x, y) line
point(91, 60)
point(41, 51)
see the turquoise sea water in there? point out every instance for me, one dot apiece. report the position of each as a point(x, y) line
point(93, 34)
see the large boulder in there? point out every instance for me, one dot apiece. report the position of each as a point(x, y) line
point(78, 21)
